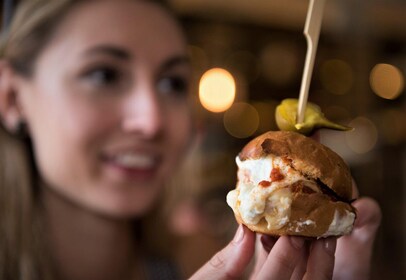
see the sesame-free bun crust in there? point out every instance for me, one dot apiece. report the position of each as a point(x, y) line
point(309, 157)
point(304, 208)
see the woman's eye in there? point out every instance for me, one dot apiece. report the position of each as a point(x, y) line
point(177, 86)
point(103, 76)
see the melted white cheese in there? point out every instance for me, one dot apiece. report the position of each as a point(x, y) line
point(254, 202)
point(341, 224)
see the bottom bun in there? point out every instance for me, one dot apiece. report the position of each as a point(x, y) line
point(311, 215)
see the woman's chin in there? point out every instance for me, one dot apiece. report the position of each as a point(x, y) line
point(132, 205)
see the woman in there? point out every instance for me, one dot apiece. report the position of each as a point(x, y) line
point(94, 105)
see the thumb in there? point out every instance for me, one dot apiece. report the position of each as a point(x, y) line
point(231, 261)
point(354, 251)
point(369, 214)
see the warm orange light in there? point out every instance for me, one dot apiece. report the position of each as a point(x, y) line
point(364, 136)
point(241, 120)
point(386, 81)
point(266, 113)
point(217, 90)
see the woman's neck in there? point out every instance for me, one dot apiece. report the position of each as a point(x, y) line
point(84, 245)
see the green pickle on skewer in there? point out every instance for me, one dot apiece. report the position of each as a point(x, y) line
point(286, 115)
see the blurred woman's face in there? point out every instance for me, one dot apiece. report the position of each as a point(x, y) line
point(107, 107)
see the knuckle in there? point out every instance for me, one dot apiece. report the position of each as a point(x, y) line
point(219, 263)
point(218, 260)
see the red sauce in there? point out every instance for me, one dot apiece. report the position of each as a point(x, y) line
point(307, 190)
point(264, 184)
point(300, 187)
point(276, 175)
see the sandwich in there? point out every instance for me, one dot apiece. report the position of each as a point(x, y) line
point(289, 184)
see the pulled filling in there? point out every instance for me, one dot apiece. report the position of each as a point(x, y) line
point(265, 189)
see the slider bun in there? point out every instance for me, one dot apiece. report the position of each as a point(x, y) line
point(315, 208)
point(311, 158)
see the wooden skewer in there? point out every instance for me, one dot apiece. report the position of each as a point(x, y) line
point(312, 33)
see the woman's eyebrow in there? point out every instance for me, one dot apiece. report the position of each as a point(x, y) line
point(110, 50)
point(123, 54)
point(175, 61)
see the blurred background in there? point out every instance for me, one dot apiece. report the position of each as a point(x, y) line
point(247, 57)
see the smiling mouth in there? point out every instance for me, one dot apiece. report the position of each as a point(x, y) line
point(132, 164)
point(134, 161)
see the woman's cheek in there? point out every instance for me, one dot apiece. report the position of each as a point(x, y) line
point(181, 134)
point(183, 130)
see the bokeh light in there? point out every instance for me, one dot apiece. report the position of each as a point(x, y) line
point(266, 112)
point(392, 126)
point(280, 63)
point(336, 76)
point(217, 90)
point(364, 136)
point(241, 120)
point(386, 81)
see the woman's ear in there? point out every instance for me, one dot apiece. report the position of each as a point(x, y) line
point(10, 109)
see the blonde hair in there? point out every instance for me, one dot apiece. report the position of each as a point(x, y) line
point(30, 30)
point(23, 253)
point(23, 249)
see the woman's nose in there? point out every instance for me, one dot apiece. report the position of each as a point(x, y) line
point(142, 113)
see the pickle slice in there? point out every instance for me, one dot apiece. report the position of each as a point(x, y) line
point(286, 114)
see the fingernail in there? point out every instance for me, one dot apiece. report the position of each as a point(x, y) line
point(239, 235)
point(297, 242)
point(330, 245)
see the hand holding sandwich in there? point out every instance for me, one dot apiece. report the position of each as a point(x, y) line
point(284, 258)
point(293, 199)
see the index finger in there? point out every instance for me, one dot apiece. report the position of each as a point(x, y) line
point(320, 264)
point(284, 257)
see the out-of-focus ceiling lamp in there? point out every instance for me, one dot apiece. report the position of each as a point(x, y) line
point(217, 90)
point(387, 81)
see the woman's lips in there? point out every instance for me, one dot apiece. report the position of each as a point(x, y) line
point(133, 165)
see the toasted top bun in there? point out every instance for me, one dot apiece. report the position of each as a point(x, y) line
point(311, 158)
